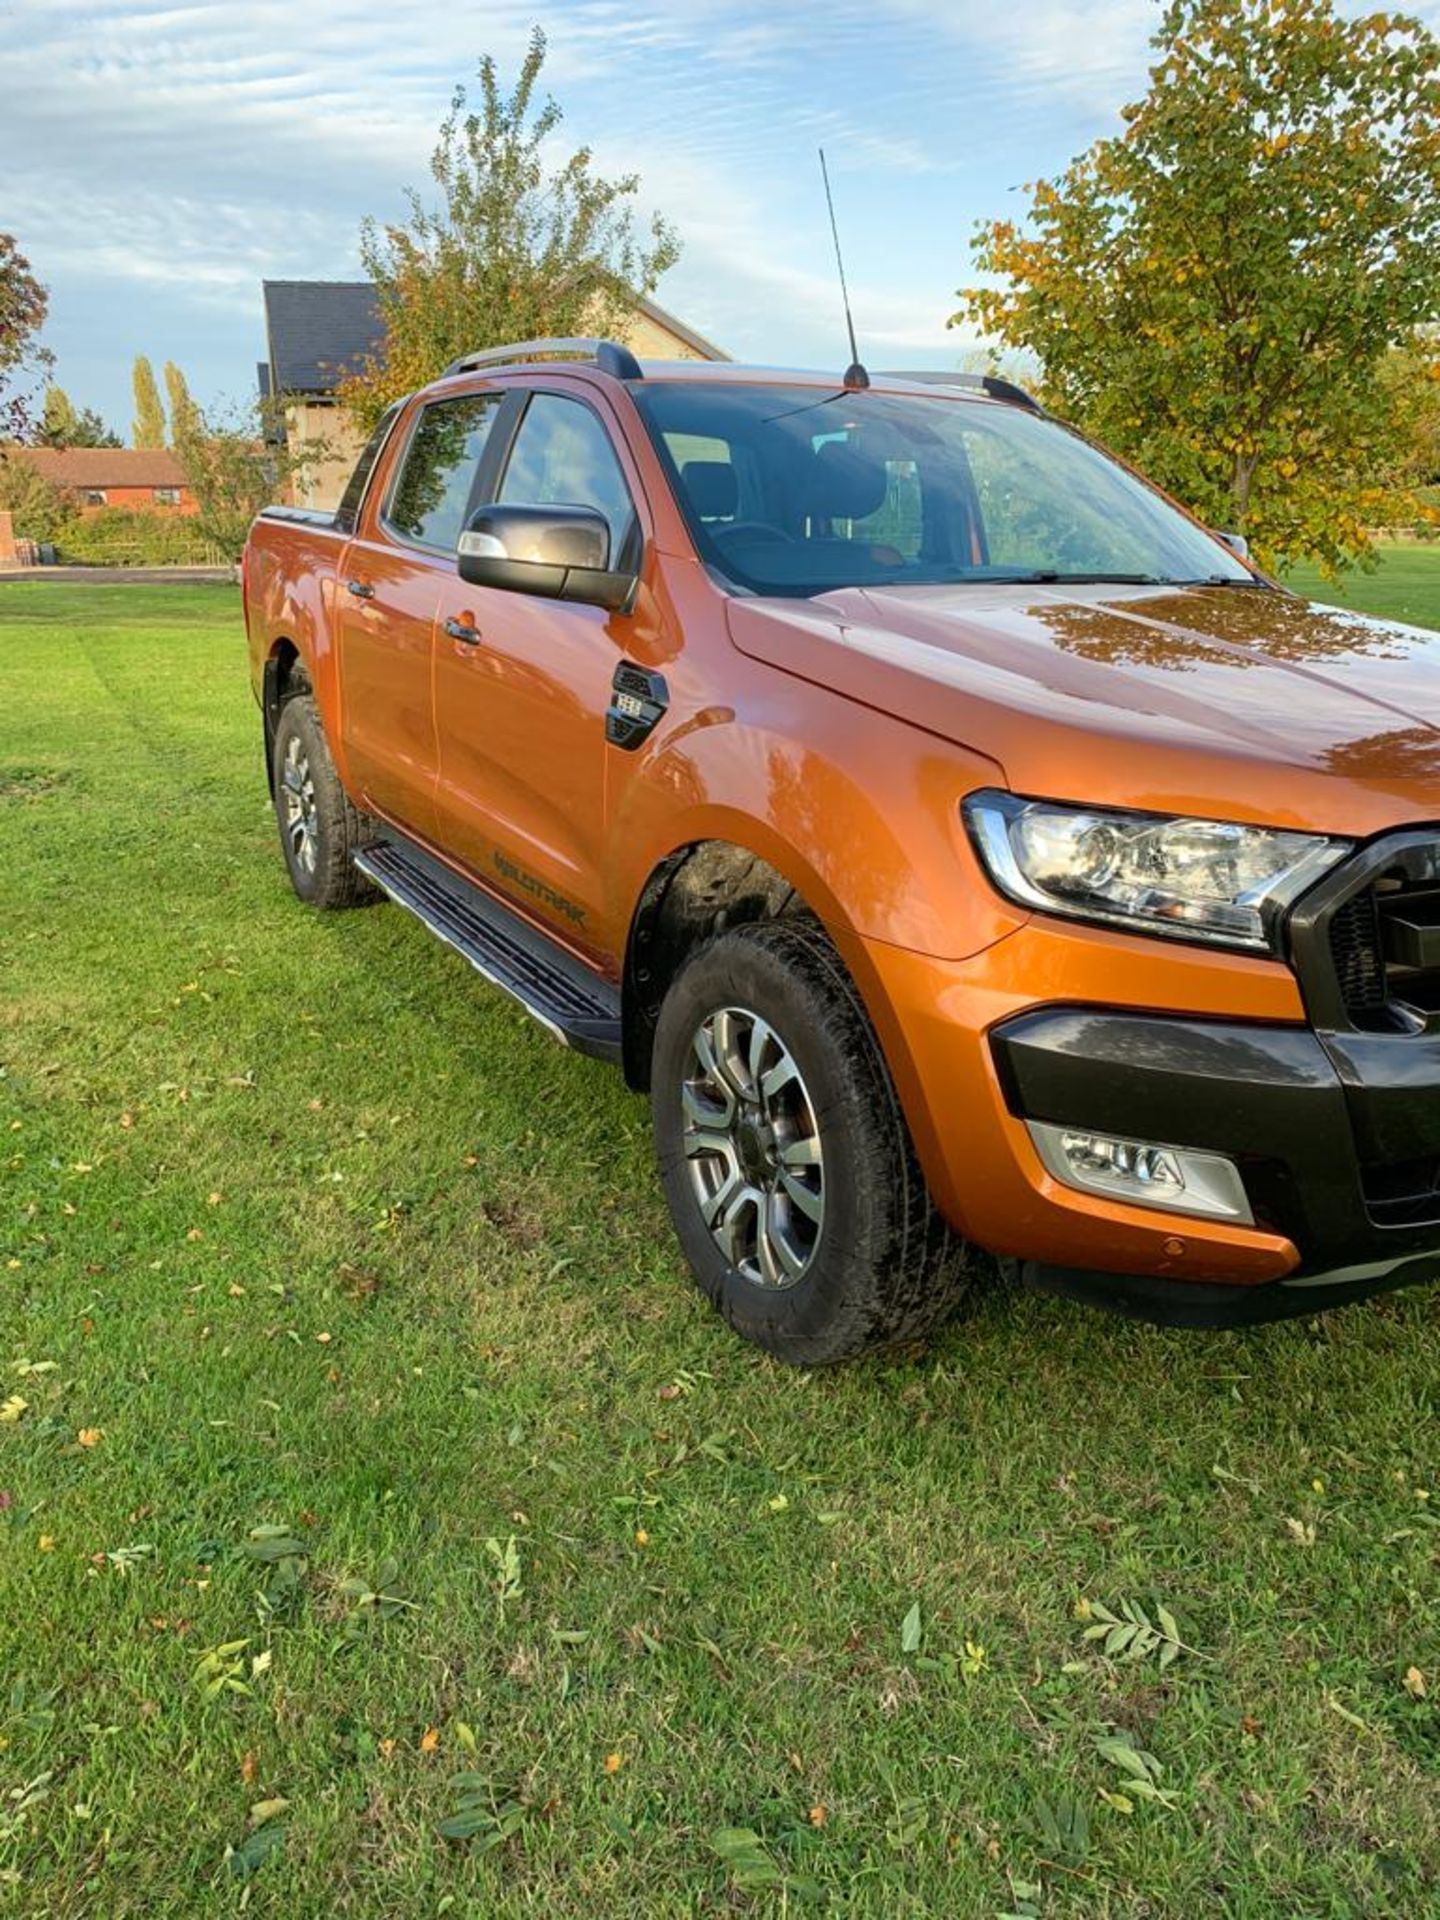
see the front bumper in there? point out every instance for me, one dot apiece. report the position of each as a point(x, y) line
point(1314, 1127)
point(1331, 1123)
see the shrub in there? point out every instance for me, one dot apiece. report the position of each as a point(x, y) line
point(40, 511)
point(131, 537)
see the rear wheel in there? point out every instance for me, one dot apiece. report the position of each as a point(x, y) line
point(320, 829)
point(785, 1158)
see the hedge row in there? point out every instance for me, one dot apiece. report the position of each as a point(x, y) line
point(126, 537)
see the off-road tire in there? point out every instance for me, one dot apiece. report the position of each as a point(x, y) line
point(885, 1268)
point(338, 827)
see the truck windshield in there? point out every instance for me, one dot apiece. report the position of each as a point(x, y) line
point(798, 491)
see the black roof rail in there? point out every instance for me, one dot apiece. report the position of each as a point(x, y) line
point(987, 383)
point(607, 355)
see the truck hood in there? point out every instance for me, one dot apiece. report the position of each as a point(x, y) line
point(1239, 702)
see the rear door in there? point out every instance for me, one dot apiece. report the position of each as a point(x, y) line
point(392, 576)
point(522, 684)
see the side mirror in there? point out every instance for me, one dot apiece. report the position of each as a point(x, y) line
point(1236, 542)
point(559, 553)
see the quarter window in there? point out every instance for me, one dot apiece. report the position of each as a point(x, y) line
point(433, 490)
point(563, 457)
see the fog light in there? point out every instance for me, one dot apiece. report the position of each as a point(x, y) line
point(1147, 1173)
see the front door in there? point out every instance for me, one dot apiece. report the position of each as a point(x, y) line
point(521, 688)
point(391, 581)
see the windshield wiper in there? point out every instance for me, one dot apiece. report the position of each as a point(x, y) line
point(1215, 580)
point(1045, 577)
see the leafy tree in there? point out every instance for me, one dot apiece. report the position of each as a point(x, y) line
point(23, 306)
point(236, 464)
point(58, 419)
point(1215, 290)
point(40, 510)
point(522, 244)
point(62, 426)
point(149, 427)
point(184, 414)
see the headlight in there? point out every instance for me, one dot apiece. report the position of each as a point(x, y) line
point(1208, 880)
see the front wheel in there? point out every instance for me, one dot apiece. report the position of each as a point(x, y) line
point(785, 1158)
point(320, 829)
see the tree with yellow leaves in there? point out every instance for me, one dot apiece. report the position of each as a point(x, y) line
point(1216, 291)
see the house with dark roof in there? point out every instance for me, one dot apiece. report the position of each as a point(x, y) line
point(317, 331)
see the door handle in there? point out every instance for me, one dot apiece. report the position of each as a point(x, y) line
point(361, 589)
point(461, 630)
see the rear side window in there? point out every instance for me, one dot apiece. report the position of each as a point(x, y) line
point(433, 490)
point(563, 457)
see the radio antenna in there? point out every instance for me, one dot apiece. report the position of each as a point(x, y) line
point(855, 374)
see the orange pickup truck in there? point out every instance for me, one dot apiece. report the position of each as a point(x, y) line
point(964, 847)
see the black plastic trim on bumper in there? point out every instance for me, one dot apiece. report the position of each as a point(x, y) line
point(1206, 1304)
point(1272, 1098)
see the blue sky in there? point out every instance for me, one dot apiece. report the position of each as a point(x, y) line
point(159, 161)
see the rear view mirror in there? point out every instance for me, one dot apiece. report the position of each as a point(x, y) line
point(1236, 542)
point(559, 553)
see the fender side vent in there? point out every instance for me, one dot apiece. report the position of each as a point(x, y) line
point(638, 700)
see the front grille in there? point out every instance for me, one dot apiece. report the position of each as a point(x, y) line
point(1385, 951)
point(1357, 956)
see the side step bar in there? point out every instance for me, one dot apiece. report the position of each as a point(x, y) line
point(578, 1007)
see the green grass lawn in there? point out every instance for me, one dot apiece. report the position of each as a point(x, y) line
point(1405, 585)
point(307, 1230)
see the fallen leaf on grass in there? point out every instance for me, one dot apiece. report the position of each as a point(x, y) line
point(818, 1816)
point(14, 1408)
point(90, 1436)
point(614, 1762)
point(430, 1740)
point(254, 1850)
point(249, 1767)
point(1415, 1683)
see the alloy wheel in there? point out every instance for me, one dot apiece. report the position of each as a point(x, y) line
point(299, 813)
point(753, 1148)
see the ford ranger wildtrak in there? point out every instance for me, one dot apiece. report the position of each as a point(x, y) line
point(964, 847)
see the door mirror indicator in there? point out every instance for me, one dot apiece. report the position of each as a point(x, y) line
point(559, 553)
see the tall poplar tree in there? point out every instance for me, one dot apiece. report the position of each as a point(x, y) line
point(149, 427)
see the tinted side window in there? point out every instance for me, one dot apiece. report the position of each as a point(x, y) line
point(563, 457)
point(429, 501)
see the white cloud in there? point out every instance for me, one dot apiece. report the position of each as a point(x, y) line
point(160, 160)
